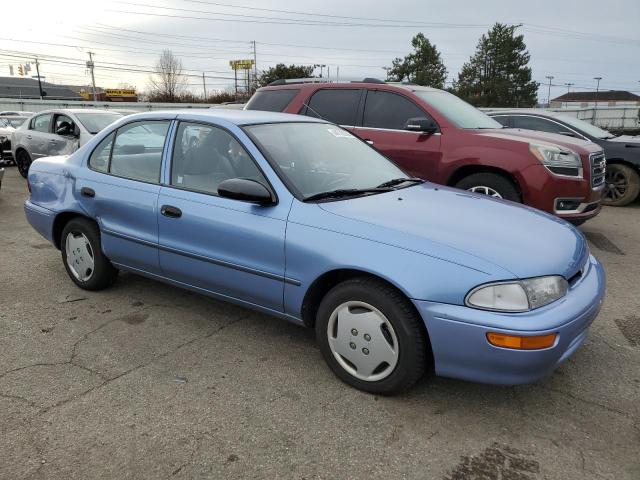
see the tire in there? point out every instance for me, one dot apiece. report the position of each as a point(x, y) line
point(23, 162)
point(622, 185)
point(389, 324)
point(493, 182)
point(82, 255)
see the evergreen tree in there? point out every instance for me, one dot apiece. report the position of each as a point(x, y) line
point(498, 75)
point(423, 67)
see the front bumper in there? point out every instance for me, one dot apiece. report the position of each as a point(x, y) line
point(461, 350)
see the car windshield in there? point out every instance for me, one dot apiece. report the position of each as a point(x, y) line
point(94, 122)
point(585, 127)
point(317, 157)
point(457, 111)
point(15, 122)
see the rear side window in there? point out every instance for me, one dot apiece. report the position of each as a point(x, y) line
point(41, 123)
point(271, 100)
point(389, 110)
point(136, 152)
point(503, 120)
point(337, 106)
point(535, 123)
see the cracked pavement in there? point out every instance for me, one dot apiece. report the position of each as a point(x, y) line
point(148, 381)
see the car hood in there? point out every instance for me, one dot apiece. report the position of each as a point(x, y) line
point(532, 136)
point(631, 140)
point(469, 229)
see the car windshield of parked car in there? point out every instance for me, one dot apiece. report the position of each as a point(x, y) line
point(457, 111)
point(94, 122)
point(585, 127)
point(317, 157)
point(15, 122)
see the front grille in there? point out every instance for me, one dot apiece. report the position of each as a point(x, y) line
point(598, 167)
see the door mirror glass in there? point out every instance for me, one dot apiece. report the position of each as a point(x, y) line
point(245, 190)
point(421, 124)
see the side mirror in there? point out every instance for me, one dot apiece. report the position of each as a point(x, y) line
point(245, 190)
point(421, 124)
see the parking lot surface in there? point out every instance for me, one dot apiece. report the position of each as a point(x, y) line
point(144, 380)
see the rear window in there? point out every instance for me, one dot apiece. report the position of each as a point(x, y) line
point(336, 105)
point(271, 100)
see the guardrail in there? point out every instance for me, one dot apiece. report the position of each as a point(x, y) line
point(37, 105)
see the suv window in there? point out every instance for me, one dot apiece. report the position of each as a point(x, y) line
point(99, 159)
point(502, 120)
point(137, 151)
point(336, 105)
point(535, 123)
point(389, 110)
point(41, 123)
point(204, 156)
point(271, 100)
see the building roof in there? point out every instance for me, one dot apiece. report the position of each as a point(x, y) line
point(603, 95)
point(21, 87)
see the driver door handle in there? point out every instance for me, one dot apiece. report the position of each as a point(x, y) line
point(170, 211)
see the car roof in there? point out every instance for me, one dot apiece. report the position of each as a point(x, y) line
point(237, 117)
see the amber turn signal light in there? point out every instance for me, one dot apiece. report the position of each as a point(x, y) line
point(517, 342)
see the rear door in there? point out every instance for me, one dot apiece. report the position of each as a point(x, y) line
point(384, 117)
point(39, 135)
point(229, 247)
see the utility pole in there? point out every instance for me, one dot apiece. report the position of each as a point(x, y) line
point(90, 66)
point(568, 89)
point(39, 81)
point(549, 77)
point(595, 110)
point(204, 87)
point(255, 64)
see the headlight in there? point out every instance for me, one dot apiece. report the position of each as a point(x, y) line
point(518, 296)
point(559, 161)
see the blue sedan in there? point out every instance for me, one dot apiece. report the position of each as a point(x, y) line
point(297, 218)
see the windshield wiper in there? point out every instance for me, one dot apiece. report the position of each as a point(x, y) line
point(345, 192)
point(397, 181)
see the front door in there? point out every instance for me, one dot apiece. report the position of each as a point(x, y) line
point(65, 138)
point(383, 127)
point(228, 247)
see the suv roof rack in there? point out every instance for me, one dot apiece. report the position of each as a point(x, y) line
point(293, 81)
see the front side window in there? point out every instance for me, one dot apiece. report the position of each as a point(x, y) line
point(63, 125)
point(271, 100)
point(389, 110)
point(335, 105)
point(137, 151)
point(535, 123)
point(204, 156)
point(41, 123)
point(320, 157)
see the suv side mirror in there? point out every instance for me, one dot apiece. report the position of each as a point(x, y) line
point(246, 190)
point(421, 124)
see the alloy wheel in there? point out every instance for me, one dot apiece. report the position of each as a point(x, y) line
point(616, 183)
point(485, 191)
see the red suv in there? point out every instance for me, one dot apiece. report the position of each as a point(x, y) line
point(434, 135)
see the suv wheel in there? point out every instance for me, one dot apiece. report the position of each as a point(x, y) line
point(82, 256)
point(622, 185)
point(490, 184)
point(371, 336)
point(23, 162)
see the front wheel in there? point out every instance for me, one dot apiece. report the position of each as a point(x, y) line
point(82, 255)
point(371, 336)
point(23, 162)
point(622, 185)
point(490, 184)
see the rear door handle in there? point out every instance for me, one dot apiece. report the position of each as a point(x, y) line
point(87, 192)
point(370, 142)
point(170, 211)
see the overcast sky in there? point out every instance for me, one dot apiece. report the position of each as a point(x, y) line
point(572, 40)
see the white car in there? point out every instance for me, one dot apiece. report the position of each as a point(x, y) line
point(7, 127)
point(56, 132)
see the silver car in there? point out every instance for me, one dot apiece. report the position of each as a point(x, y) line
point(56, 132)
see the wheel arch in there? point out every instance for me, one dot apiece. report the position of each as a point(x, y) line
point(624, 161)
point(61, 221)
point(466, 170)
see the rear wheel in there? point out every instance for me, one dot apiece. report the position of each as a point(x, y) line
point(622, 185)
point(82, 255)
point(371, 336)
point(23, 162)
point(490, 184)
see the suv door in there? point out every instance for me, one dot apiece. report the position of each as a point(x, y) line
point(66, 136)
point(38, 135)
point(121, 189)
point(228, 247)
point(384, 118)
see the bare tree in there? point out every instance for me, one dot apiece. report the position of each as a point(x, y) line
point(168, 80)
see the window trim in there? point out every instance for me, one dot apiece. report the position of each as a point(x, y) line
point(399, 94)
point(115, 133)
point(174, 141)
